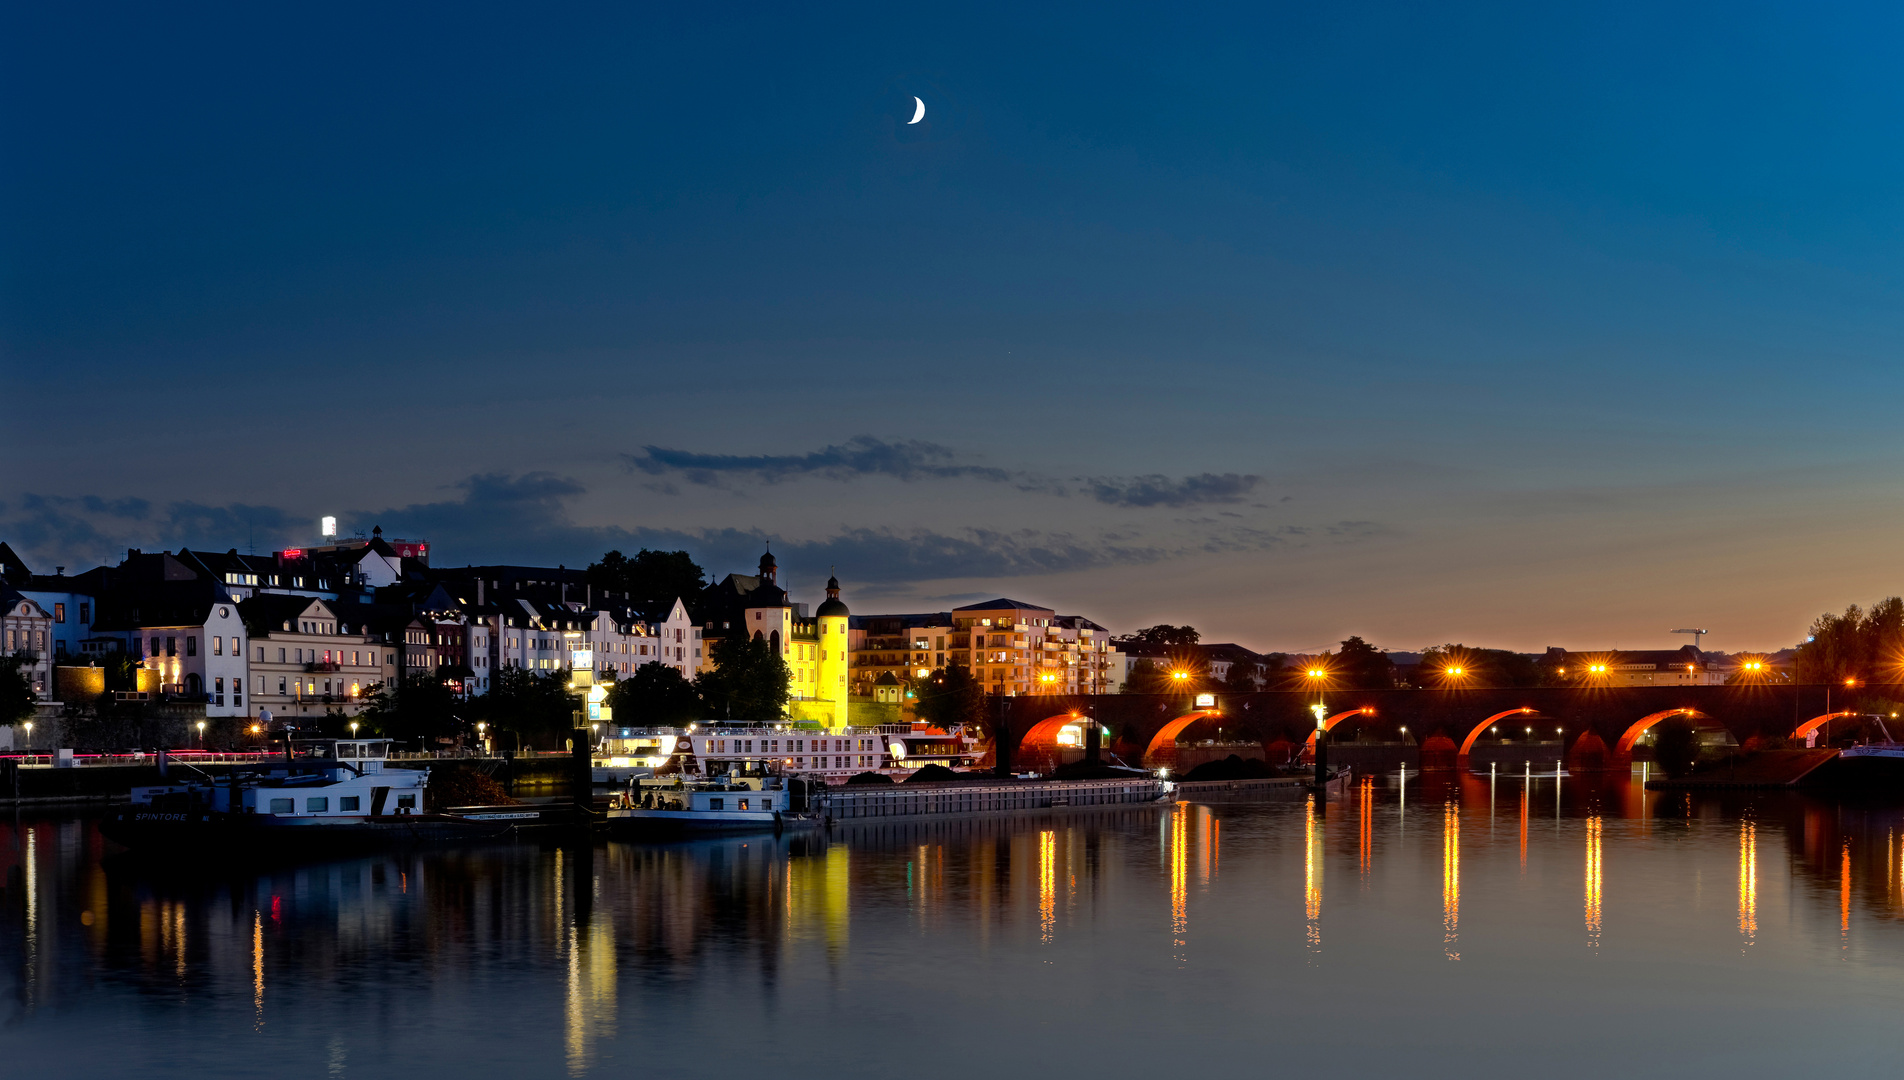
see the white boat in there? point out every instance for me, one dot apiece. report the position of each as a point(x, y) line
point(1888, 750)
point(326, 793)
point(680, 807)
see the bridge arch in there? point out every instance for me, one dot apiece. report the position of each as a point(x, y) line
point(1625, 746)
point(1039, 750)
point(1817, 722)
point(1467, 744)
point(1309, 745)
point(1167, 735)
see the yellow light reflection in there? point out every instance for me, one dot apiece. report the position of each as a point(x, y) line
point(257, 970)
point(1593, 881)
point(590, 1001)
point(1179, 880)
point(1312, 875)
point(1047, 885)
point(1450, 880)
point(1748, 881)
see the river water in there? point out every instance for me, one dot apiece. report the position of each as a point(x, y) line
point(1500, 927)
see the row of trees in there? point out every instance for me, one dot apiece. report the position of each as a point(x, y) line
point(1859, 645)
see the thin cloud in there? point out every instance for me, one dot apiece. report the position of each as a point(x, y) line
point(914, 460)
point(862, 455)
point(1201, 490)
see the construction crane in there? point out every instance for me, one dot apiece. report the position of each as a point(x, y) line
point(1696, 635)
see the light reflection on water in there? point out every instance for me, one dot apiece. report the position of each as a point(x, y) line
point(1166, 932)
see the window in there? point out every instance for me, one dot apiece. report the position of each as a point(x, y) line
point(284, 806)
point(85, 613)
point(280, 656)
point(280, 686)
point(406, 802)
point(191, 645)
point(717, 804)
point(155, 648)
point(349, 803)
point(218, 645)
point(218, 691)
point(260, 684)
point(59, 613)
point(743, 804)
point(171, 646)
point(317, 804)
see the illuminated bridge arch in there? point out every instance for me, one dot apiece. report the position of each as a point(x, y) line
point(1467, 744)
point(1625, 746)
point(1309, 746)
point(1039, 750)
point(1817, 722)
point(1166, 736)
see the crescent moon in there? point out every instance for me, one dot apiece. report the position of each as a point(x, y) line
point(919, 113)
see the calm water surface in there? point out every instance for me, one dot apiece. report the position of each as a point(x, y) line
point(1486, 928)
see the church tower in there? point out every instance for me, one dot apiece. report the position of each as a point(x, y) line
point(834, 656)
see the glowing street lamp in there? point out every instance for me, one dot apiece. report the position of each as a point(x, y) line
point(201, 734)
point(353, 729)
point(29, 736)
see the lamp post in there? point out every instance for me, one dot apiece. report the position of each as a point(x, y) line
point(1322, 755)
point(201, 734)
point(353, 729)
point(29, 736)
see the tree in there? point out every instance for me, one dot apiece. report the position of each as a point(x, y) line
point(16, 690)
point(748, 684)
point(1145, 677)
point(421, 706)
point(1164, 635)
point(537, 707)
point(650, 578)
point(950, 697)
point(656, 694)
point(1241, 678)
point(1855, 645)
point(1361, 666)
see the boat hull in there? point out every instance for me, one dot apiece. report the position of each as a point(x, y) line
point(199, 832)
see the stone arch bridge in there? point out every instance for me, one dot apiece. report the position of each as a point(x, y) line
point(1603, 720)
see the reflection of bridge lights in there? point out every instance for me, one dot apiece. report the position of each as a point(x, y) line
point(1844, 895)
point(1312, 876)
point(1748, 881)
point(1179, 879)
point(1593, 881)
point(1366, 807)
point(1450, 879)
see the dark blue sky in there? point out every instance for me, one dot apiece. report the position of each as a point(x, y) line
point(1513, 324)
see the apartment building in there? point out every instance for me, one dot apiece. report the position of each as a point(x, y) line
point(305, 661)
